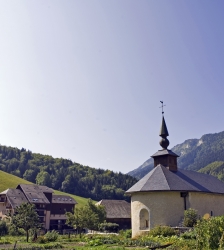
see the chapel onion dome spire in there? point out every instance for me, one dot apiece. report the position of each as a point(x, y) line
point(165, 157)
point(164, 143)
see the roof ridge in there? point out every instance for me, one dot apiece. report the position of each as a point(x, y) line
point(146, 177)
point(164, 169)
point(157, 168)
point(175, 175)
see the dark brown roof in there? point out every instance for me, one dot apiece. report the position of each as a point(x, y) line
point(162, 179)
point(64, 199)
point(116, 208)
point(164, 152)
point(35, 193)
point(35, 188)
point(15, 197)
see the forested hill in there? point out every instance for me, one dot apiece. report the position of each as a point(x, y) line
point(65, 175)
point(215, 168)
point(195, 154)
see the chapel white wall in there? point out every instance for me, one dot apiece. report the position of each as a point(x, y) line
point(165, 208)
point(206, 203)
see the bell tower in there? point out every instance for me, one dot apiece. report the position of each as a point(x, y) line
point(165, 157)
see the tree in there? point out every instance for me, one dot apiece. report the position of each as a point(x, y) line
point(65, 175)
point(80, 219)
point(25, 217)
point(30, 175)
point(43, 178)
point(89, 216)
point(99, 211)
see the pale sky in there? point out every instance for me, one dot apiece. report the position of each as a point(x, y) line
point(83, 80)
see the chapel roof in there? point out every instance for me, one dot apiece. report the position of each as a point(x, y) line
point(116, 208)
point(162, 179)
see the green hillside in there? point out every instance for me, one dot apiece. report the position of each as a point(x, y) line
point(11, 181)
point(65, 175)
point(215, 168)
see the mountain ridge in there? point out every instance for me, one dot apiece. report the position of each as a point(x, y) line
point(195, 154)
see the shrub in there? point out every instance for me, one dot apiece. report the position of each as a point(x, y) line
point(162, 230)
point(109, 227)
point(189, 235)
point(190, 217)
point(51, 235)
point(41, 240)
point(183, 245)
point(126, 233)
point(4, 242)
point(96, 242)
point(3, 228)
point(44, 246)
point(209, 233)
point(140, 243)
point(53, 246)
point(12, 230)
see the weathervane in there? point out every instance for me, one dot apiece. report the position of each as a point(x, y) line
point(162, 107)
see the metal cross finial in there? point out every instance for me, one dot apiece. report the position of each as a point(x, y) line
point(162, 107)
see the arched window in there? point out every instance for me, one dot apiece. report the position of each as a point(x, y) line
point(144, 219)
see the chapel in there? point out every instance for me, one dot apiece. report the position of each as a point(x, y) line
point(162, 195)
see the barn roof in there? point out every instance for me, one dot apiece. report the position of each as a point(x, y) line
point(162, 179)
point(116, 208)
